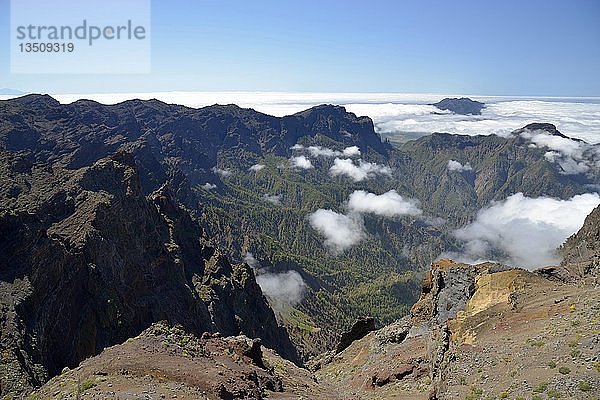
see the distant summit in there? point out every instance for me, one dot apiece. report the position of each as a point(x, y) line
point(463, 106)
point(10, 92)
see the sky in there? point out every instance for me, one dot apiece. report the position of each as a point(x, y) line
point(529, 48)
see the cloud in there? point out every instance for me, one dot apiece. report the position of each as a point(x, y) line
point(389, 204)
point(250, 260)
point(256, 167)
point(573, 156)
point(285, 288)
point(273, 199)
point(454, 165)
point(281, 288)
point(223, 173)
point(340, 231)
point(575, 118)
point(526, 231)
point(357, 172)
point(209, 186)
point(352, 151)
point(301, 162)
point(320, 151)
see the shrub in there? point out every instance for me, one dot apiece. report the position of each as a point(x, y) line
point(541, 387)
point(86, 385)
point(584, 386)
point(564, 370)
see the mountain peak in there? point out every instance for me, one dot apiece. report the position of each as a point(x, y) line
point(463, 106)
point(36, 100)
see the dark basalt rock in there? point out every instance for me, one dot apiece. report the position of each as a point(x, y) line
point(359, 329)
point(87, 261)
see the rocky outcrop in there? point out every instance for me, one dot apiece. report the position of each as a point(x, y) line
point(582, 250)
point(478, 331)
point(359, 329)
point(88, 261)
point(463, 106)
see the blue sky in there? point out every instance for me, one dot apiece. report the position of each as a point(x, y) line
point(549, 48)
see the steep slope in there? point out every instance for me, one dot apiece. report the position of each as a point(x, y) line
point(583, 248)
point(497, 168)
point(86, 256)
point(478, 332)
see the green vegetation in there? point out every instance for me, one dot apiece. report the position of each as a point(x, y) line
point(474, 394)
point(297, 319)
point(541, 387)
point(584, 386)
point(552, 364)
point(86, 386)
point(564, 370)
point(504, 395)
point(553, 394)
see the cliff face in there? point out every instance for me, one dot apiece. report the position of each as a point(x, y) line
point(583, 248)
point(478, 331)
point(88, 261)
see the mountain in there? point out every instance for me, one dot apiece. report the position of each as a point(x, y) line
point(85, 255)
point(463, 106)
point(491, 168)
point(10, 92)
point(202, 158)
point(115, 218)
point(582, 250)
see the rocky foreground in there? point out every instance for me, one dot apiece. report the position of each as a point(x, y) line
point(478, 332)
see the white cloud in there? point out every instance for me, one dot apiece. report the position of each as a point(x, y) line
point(340, 231)
point(389, 204)
point(250, 260)
point(301, 162)
point(577, 118)
point(352, 151)
point(527, 230)
point(318, 151)
point(273, 199)
point(454, 165)
point(209, 186)
point(224, 173)
point(285, 288)
point(256, 167)
point(357, 172)
point(573, 156)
